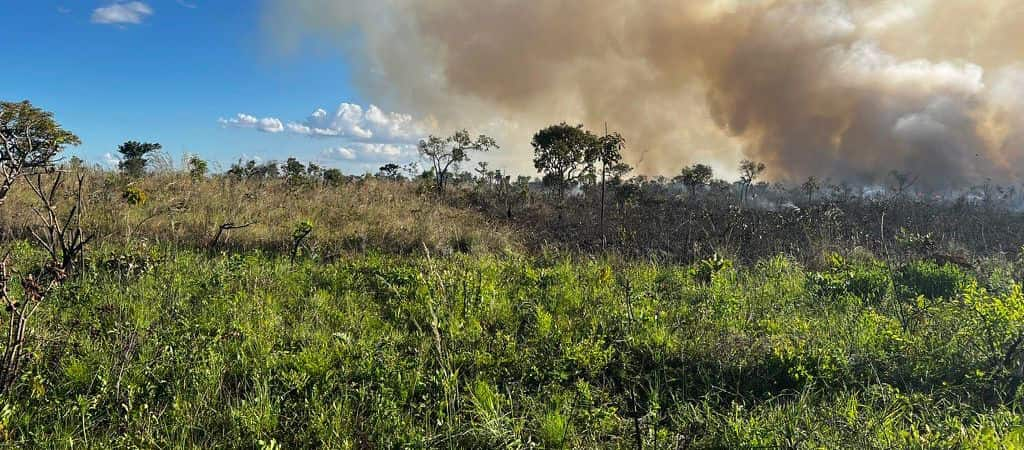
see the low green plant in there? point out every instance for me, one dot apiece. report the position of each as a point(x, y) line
point(134, 196)
point(928, 279)
point(706, 269)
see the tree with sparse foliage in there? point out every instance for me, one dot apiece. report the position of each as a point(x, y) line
point(609, 154)
point(749, 172)
point(30, 141)
point(810, 187)
point(133, 157)
point(445, 154)
point(390, 171)
point(901, 181)
point(563, 153)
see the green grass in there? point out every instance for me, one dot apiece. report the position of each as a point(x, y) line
point(177, 349)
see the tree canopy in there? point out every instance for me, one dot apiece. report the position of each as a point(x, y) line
point(446, 153)
point(564, 152)
point(30, 140)
point(133, 157)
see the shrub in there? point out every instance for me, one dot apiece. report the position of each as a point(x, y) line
point(929, 279)
point(706, 270)
point(868, 280)
point(134, 196)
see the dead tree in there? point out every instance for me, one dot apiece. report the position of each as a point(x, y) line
point(30, 143)
point(60, 234)
point(226, 227)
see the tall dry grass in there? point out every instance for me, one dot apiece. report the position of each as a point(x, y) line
point(361, 215)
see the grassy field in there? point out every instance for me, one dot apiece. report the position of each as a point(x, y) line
point(404, 321)
point(174, 348)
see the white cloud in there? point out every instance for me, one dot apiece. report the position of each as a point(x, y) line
point(110, 160)
point(350, 122)
point(339, 153)
point(266, 124)
point(187, 4)
point(122, 13)
point(370, 152)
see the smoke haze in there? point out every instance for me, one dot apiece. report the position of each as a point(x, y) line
point(841, 89)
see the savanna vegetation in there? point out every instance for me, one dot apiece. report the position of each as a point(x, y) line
point(294, 306)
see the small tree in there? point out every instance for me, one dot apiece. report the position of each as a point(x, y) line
point(30, 141)
point(333, 177)
point(294, 171)
point(197, 167)
point(314, 172)
point(695, 177)
point(810, 187)
point(901, 181)
point(749, 172)
point(446, 153)
point(390, 171)
point(609, 154)
point(563, 153)
point(133, 157)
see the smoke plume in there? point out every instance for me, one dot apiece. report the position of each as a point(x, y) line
point(841, 89)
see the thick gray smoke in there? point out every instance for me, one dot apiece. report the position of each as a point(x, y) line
point(841, 89)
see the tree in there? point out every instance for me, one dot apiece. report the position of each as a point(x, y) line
point(901, 181)
point(563, 153)
point(390, 171)
point(609, 154)
point(446, 153)
point(197, 167)
point(333, 177)
point(810, 187)
point(30, 141)
point(695, 177)
point(133, 157)
point(749, 172)
point(294, 171)
point(314, 171)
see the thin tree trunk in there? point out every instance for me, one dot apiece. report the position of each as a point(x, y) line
point(604, 238)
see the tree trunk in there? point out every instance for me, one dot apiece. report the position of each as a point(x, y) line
point(603, 237)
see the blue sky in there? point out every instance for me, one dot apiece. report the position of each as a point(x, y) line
point(169, 71)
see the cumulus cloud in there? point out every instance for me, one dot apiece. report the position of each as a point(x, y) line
point(370, 152)
point(349, 122)
point(122, 13)
point(266, 124)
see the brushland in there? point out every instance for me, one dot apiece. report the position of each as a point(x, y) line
point(373, 312)
point(407, 323)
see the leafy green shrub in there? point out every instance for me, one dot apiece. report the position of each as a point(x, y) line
point(706, 270)
point(868, 280)
point(134, 196)
point(929, 279)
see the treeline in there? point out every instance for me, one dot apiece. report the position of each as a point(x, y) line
point(588, 199)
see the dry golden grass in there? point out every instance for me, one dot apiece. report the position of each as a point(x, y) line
point(358, 216)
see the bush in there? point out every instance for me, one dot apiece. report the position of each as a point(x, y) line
point(134, 196)
point(928, 279)
point(868, 280)
point(706, 270)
